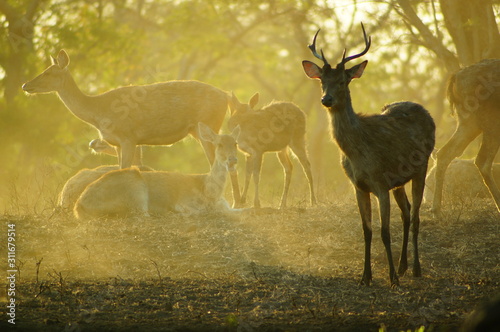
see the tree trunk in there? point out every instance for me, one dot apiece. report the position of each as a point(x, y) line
point(473, 29)
point(20, 36)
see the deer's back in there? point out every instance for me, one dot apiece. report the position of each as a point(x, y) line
point(392, 148)
point(74, 187)
point(163, 113)
point(115, 193)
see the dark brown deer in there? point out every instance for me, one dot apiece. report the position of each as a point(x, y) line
point(380, 153)
point(474, 92)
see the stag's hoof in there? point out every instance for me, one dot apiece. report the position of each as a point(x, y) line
point(237, 205)
point(366, 279)
point(417, 272)
point(394, 281)
point(436, 212)
point(402, 269)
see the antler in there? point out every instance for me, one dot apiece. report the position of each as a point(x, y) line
point(368, 42)
point(312, 47)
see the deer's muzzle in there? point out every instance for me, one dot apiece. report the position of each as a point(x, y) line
point(327, 101)
point(231, 164)
point(27, 88)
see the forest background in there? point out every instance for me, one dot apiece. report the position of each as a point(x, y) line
point(239, 46)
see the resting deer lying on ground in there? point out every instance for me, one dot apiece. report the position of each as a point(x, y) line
point(74, 187)
point(474, 92)
point(462, 180)
point(379, 153)
point(155, 114)
point(129, 191)
point(274, 128)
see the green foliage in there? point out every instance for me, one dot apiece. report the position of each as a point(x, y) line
point(383, 328)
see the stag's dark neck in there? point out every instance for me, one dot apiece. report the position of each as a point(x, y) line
point(346, 126)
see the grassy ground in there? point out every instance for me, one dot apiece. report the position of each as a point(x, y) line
point(266, 270)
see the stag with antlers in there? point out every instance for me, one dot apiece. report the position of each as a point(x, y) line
point(380, 152)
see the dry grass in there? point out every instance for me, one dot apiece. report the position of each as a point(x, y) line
point(257, 270)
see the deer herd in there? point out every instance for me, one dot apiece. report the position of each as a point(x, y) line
point(380, 152)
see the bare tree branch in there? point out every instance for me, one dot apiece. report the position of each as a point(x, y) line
point(434, 44)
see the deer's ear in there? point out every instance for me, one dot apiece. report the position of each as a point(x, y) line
point(236, 132)
point(311, 69)
point(234, 103)
point(62, 59)
point(254, 100)
point(206, 133)
point(357, 70)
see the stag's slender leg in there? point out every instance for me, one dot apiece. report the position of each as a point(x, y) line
point(464, 134)
point(248, 176)
point(237, 203)
point(365, 209)
point(257, 164)
point(385, 218)
point(417, 187)
point(404, 205)
point(285, 161)
point(209, 149)
point(484, 162)
point(138, 156)
point(299, 149)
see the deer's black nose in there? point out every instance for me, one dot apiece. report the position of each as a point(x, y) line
point(327, 100)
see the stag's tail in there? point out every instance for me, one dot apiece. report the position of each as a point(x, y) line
point(450, 93)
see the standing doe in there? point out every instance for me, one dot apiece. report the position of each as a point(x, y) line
point(474, 92)
point(129, 191)
point(379, 152)
point(155, 114)
point(275, 127)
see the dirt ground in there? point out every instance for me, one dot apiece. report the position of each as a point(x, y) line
point(265, 270)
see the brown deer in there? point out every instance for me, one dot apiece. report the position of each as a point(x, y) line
point(155, 114)
point(380, 153)
point(129, 191)
point(274, 128)
point(74, 187)
point(475, 95)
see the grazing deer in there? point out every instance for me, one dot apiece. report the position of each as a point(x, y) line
point(128, 191)
point(155, 114)
point(275, 127)
point(379, 152)
point(475, 95)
